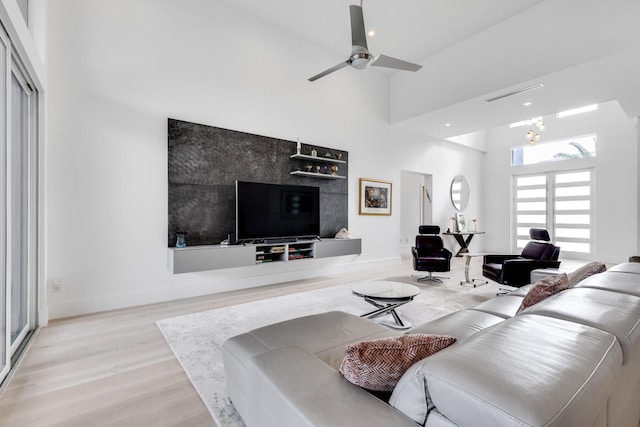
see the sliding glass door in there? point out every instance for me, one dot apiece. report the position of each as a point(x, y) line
point(4, 103)
point(19, 147)
point(18, 203)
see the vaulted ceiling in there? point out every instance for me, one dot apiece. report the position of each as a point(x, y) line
point(582, 51)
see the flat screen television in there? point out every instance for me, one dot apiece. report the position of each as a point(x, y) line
point(276, 211)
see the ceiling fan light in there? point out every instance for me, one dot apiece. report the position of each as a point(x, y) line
point(361, 60)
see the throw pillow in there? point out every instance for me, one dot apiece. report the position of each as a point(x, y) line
point(378, 364)
point(544, 288)
point(586, 271)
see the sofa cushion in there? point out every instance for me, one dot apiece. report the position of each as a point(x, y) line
point(613, 280)
point(585, 271)
point(378, 364)
point(544, 288)
point(627, 267)
point(460, 324)
point(529, 370)
point(614, 312)
point(521, 291)
point(504, 306)
point(324, 335)
point(292, 388)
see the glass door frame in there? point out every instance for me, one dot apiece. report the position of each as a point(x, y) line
point(20, 75)
point(4, 140)
point(32, 238)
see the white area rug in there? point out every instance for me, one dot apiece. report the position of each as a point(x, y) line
point(196, 339)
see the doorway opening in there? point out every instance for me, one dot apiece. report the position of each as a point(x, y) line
point(416, 207)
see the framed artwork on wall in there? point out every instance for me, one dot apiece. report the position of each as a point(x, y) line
point(460, 222)
point(375, 197)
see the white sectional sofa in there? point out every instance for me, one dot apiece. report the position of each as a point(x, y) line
point(570, 360)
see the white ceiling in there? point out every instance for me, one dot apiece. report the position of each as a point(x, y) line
point(583, 51)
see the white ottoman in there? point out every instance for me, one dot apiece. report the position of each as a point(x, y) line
point(541, 273)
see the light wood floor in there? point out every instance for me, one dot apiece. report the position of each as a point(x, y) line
point(115, 368)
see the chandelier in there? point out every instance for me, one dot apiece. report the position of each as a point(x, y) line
point(534, 136)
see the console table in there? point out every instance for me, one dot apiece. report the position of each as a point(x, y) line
point(462, 241)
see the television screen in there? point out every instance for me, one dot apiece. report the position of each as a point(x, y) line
point(272, 211)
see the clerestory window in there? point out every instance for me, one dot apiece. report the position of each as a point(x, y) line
point(579, 147)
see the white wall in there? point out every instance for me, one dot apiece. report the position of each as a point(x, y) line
point(616, 178)
point(119, 69)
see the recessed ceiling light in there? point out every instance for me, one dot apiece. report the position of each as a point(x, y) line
point(447, 124)
point(526, 104)
point(371, 33)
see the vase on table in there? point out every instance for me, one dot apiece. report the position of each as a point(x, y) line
point(181, 241)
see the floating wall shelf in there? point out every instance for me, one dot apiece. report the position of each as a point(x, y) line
point(317, 158)
point(317, 175)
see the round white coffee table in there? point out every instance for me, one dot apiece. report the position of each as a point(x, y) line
point(386, 296)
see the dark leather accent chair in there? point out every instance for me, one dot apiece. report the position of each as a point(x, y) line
point(429, 253)
point(515, 270)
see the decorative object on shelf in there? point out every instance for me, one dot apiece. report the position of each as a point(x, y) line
point(325, 170)
point(475, 224)
point(316, 158)
point(181, 241)
point(375, 197)
point(343, 234)
point(334, 170)
point(454, 226)
point(309, 167)
point(318, 169)
point(461, 222)
point(298, 146)
point(314, 153)
point(328, 155)
point(338, 156)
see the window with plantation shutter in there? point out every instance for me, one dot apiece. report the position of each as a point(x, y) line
point(561, 202)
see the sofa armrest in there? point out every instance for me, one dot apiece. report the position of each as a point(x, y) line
point(498, 259)
point(304, 391)
point(517, 272)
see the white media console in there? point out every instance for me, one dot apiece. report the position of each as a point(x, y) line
point(215, 257)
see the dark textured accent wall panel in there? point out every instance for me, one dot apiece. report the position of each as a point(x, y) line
point(204, 163)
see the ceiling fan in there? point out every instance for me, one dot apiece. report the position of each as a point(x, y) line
point(360, 57)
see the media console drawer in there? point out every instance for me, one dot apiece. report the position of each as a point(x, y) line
point(338, 247)
point(214, 257)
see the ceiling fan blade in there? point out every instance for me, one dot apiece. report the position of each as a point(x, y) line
point(358, 35)
point(398, 64)
point(329, 71)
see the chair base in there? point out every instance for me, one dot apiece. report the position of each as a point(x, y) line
point(505, 291)
point(431, 278)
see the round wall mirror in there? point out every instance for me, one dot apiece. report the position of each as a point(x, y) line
point(460, 192)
